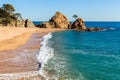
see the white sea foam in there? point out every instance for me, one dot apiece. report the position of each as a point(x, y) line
point(112, 28)
point(45, 53)
point(104, 30)
point(108, 29)
point(17, 76)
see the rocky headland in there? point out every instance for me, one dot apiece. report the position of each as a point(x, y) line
point(22, 23)
point(60, 21)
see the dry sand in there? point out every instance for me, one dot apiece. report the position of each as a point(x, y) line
point(18, 50)
point(11, 38)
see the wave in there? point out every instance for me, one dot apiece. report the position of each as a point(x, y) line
point(112, 29)
point(18, 76)
point(45, 54)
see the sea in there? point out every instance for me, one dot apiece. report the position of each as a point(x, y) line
point(77, 55)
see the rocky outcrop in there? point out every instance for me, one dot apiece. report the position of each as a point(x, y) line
point(28, 23)
point(95, 29)
point(16, 23)
point(57, 21)
point(21, 23)
point(78, 24)
point(60, 21)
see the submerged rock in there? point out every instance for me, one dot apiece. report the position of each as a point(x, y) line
point(78, 24)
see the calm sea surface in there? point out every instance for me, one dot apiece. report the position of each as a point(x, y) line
point(74, 55)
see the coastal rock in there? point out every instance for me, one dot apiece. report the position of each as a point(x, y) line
point(47, 25)
point(94, 29)
point(78, 24)
point(28, 23)
point(21, 23)
point(59, 21)
point(16, 23)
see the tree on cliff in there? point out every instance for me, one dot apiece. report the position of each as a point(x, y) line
point(75, 16)
point(7, 15)
point(8, 8)
point(3, 13)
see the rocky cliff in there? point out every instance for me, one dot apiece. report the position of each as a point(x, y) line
point(22, 23)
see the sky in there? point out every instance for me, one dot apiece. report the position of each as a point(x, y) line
point(89, 10)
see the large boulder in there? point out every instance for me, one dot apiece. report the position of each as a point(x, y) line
point(59, 21)
point(28, 23)
point(78, 24)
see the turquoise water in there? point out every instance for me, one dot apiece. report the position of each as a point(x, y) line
point(84, 55)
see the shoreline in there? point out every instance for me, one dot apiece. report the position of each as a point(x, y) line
point(23, 58)
point(11, 36)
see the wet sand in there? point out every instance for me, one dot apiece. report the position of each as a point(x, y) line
point(21, 60)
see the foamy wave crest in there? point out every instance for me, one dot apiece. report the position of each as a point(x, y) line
point(45, 53)
point(19, 76)
point(108, 29)
point(104, 30)
point(112, 28)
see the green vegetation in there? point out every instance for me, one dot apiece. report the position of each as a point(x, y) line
point(75, 16)
point(8, 8)
point(7, 15)
point(18, 15)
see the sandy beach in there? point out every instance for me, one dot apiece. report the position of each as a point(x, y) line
point(18, 50)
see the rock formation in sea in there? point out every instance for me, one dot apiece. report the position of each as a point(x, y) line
point(95, 29)
point(57, 21)
point(60, 21)
point(78, 24)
